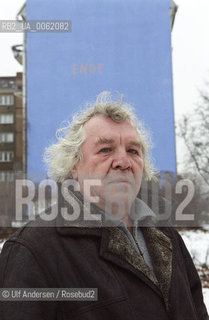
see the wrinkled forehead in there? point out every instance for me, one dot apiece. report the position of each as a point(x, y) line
point(105, 128)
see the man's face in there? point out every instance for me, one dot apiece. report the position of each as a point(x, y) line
point(111, 153)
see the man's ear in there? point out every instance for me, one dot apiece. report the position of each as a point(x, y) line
point(74, 172)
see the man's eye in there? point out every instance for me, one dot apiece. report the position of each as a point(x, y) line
point(105, 150)
point(133, 151)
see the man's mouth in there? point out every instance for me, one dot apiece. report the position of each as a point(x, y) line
point(120, 180)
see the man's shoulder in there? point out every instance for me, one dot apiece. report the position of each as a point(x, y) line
point(172, 233)
point(34, 231)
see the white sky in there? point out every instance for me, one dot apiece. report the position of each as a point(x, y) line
point(8, 65)
point(190, 42)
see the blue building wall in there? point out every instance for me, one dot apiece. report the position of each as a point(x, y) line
point(120, 45)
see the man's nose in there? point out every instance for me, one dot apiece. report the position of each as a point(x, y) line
point(121, 161)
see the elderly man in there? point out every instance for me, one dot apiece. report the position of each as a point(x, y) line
point(101, 236)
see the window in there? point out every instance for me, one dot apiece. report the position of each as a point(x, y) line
point(6, 118)
point(6, 156)
point(6, 100)
point(2, 176)
point(6, 137)
point(10, 176)
point(6, 176)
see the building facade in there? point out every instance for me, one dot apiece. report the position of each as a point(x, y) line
point(11, 143)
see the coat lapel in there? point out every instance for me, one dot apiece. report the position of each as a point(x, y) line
point(117, 249)
point(160, 250)
point(121, 246)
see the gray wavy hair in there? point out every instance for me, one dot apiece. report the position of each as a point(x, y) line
point(62, 156)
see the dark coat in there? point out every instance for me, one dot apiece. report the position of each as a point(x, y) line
point(49, 256)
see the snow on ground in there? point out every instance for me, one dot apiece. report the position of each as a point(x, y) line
point(1, 243)
point(197, 242)
point(206, 298)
